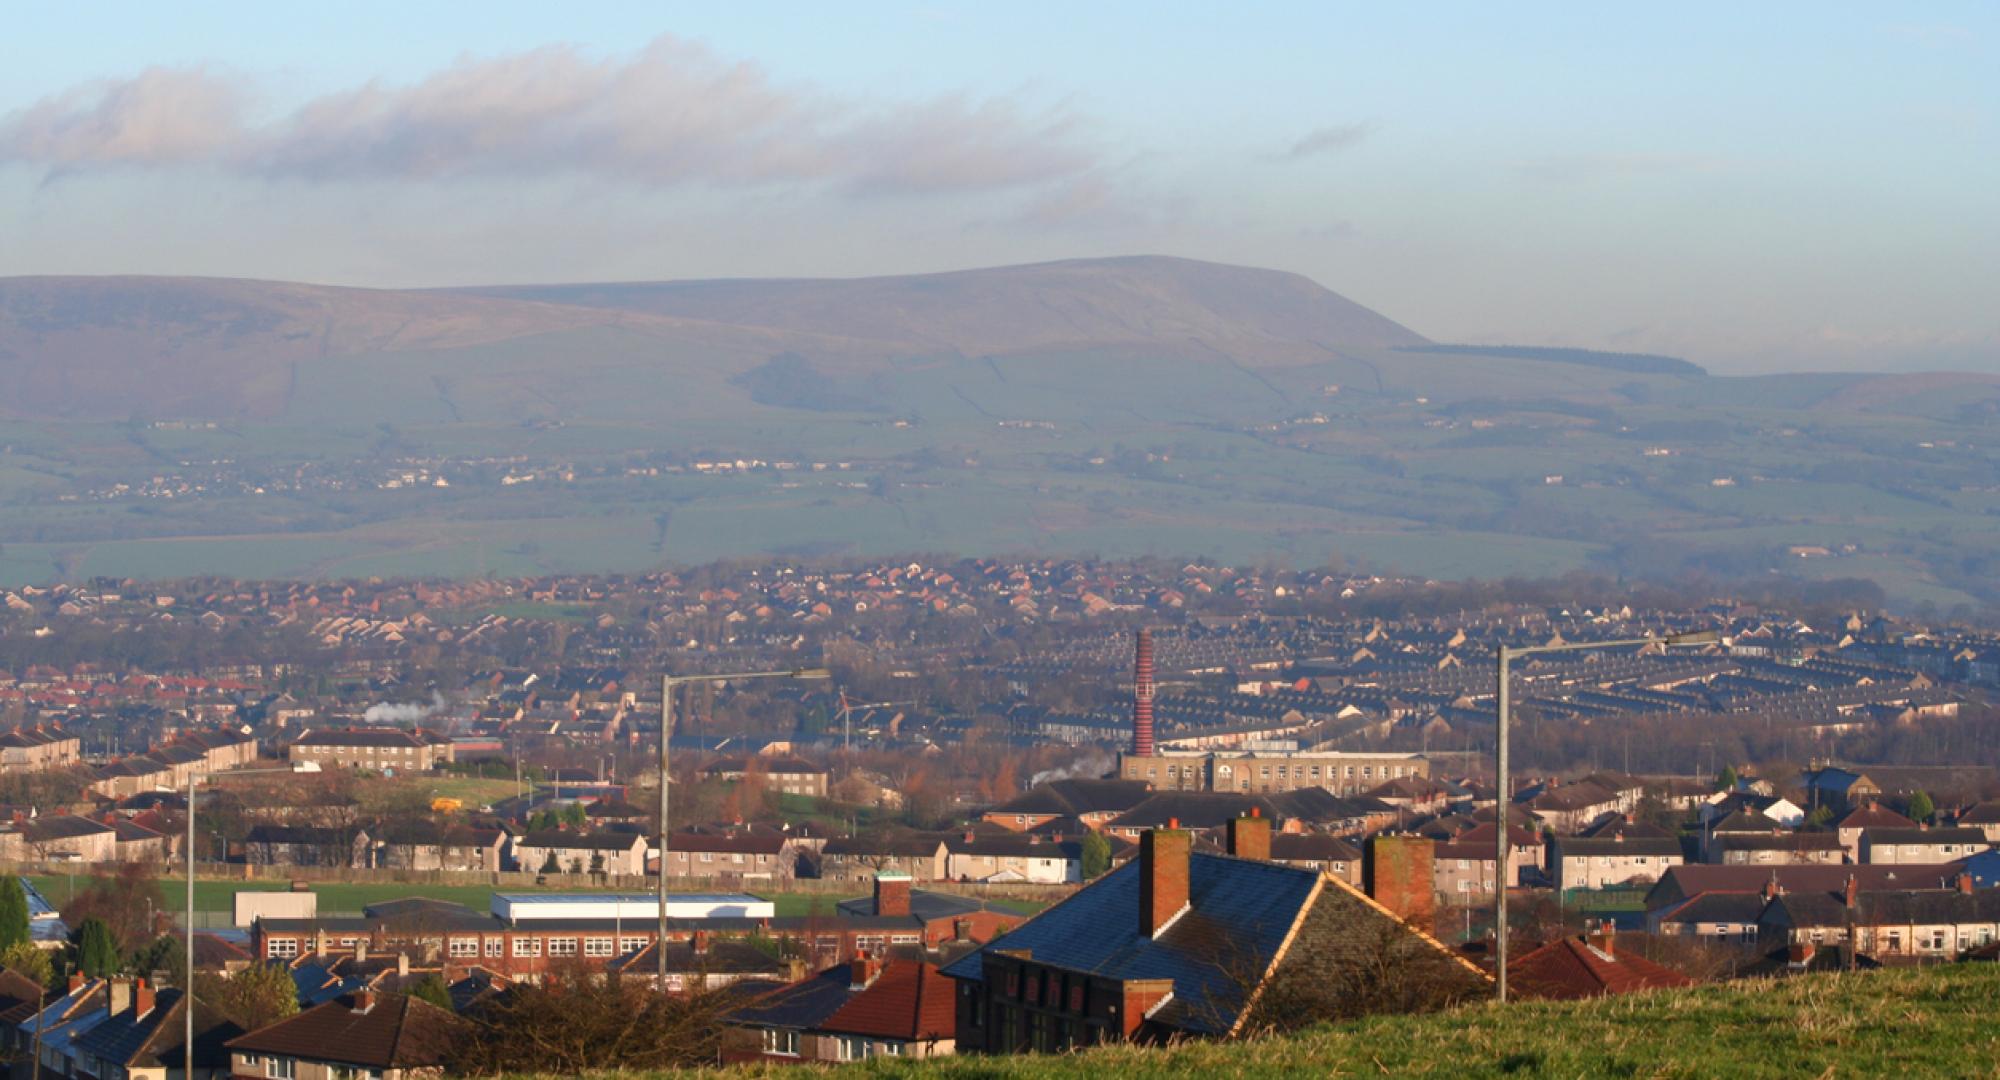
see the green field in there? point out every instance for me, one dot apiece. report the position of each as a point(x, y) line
point(216, 895)
point(1935, 1022)
point(1193, 460)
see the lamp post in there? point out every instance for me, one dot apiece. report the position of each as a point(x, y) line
point(1505, 655)
point(667, 685)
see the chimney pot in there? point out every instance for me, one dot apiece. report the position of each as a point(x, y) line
point(862, 971)
point(1250, 838)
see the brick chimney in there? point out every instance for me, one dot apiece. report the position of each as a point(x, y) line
point(1163, 877)
point(75, 981)
point(698, 942)
point(1398, 871)
point(1136, 998)
point(364, 1000)
point(961, 929)
point(1849, 892)
point(1771, 889)
point(142, 999)
point(1250, 837)
point(1965, 883)
point(1605, 940)
point(892, 894)
point(862, 971)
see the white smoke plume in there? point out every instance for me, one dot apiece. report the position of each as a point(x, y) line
point(1090, 767)
point(393, 713)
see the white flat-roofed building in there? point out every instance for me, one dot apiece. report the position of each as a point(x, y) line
point(518, 908)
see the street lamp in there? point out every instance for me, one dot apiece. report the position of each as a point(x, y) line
point(1505, 654)
point(667, 685)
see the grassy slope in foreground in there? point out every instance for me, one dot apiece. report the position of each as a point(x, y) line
point(1909, 1023)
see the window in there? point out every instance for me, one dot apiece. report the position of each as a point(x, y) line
point(562, 946)
point(781, 1042)
point(284, 947)
point(904, 939)
point(633, 944)
point(281, 1068)
point(495, 946)
point(597, 946)
point(706, 856)
point(890, 1049)
point(852, 1048)
point(465, 946)
point(527, 946)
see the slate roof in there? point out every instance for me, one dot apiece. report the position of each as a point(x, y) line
point(360, 737)
point(1717, 907)
point(155, 1040)
point(1800, 841)
point(64, 827)
point(1900, 837)
point(925, 905)
point(1874, 816)
point(398, 1032)
point(800, 1005)
point(569, 841)
point(1077, 797)
point(1238, 908)
point(1574, 847)
point(1897, 907)
point(1576, 968)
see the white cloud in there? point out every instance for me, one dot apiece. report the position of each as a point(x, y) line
point(672, 114)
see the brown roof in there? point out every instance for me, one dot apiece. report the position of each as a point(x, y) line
point(907, 1001)
point(396, 1032)
point(1578, 968)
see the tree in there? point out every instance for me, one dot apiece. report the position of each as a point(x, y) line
point(431, 988)
point(577, 1022)
point(1921, 807)
point(574, 815)
point(256, 996)
point(550, 865)
point(13, 913)
point(1096, 855)
point(1726, 779)
point(97, 950)
point(22, 958)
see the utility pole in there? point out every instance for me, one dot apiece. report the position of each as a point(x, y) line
point(666, 734)
point(187, 979)
point(1501, 804)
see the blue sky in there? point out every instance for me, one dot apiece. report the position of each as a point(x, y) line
point(1757, 187)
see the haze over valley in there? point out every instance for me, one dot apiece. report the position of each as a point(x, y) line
point(1144, 405)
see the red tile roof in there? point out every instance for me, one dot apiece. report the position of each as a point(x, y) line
point(1577, 968)
point(908, 1001)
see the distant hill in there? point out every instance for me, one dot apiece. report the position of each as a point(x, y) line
point(118, 347)
point(1636, 363)
point(1257, 316)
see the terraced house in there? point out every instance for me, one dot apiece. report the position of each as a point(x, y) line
point(377, 749)
point(37, 748)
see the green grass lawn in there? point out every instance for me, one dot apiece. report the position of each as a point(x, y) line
point(1902, 1023)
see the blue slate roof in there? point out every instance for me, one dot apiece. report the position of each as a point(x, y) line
point(1240, 912)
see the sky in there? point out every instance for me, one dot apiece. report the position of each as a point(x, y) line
point(1756, 187)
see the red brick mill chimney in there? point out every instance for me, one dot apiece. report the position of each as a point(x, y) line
point(1163, 876)
point(1142, 695)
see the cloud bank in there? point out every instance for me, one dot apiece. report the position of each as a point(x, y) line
point(672, 114)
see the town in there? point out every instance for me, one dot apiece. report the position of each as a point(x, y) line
point(920, 808)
